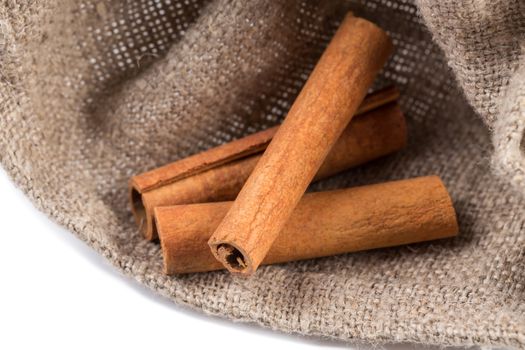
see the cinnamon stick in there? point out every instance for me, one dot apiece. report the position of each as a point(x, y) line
point(219, 173)
point(323, 223)
point(315, 121)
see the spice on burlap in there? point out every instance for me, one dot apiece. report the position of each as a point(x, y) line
point(89, 97)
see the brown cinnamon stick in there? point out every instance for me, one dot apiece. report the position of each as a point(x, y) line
point(324, 223)
point(317, 118)
point(219, 173)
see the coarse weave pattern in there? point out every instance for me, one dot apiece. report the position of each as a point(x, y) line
point(94, 91)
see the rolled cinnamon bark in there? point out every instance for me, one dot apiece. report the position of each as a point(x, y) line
point(315, 121)
point(323, 224)
point(219, 173)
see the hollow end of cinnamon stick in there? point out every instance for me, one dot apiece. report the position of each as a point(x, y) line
point(232, 258)
point(137, 207)
point(143, 213)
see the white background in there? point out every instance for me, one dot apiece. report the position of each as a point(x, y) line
point(57, 293)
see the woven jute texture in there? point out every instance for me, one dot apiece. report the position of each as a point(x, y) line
point(92, 92)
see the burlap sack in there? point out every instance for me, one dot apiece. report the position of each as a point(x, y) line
point(92, 92)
